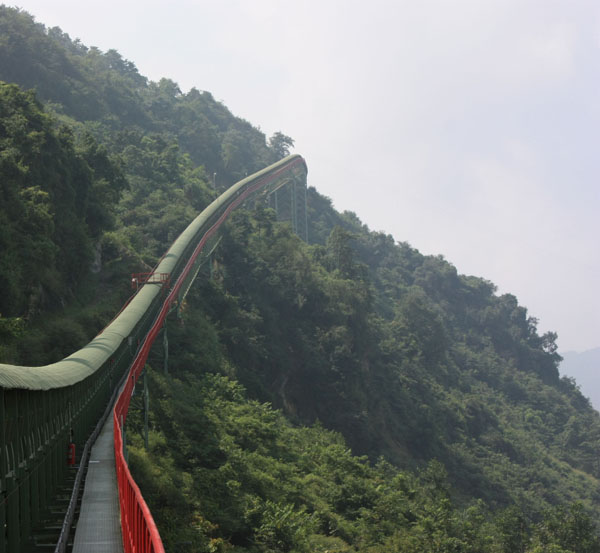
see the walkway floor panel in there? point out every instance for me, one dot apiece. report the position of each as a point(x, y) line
point(99, 525)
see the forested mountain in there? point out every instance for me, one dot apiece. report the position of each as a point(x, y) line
point(346, 394)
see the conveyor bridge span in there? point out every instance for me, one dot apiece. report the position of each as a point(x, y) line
point(45, 409)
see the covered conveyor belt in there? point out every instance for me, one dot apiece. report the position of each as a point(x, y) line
point(47, 411)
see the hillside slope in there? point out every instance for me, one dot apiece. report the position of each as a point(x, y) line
point(294, 358)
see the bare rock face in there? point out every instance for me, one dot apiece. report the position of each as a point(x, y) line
point(36, 300)
point(97, 262)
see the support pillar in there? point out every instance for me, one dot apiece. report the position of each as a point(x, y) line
point(24, 466)
point(12, 524)
point(3, 471)
point(293, 207)
point(166, 350)
point(146, 408)
point(13, 535)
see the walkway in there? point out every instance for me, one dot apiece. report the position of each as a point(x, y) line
point(99, 525)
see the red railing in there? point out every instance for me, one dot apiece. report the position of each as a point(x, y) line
point(140, 534)
point(138, 528)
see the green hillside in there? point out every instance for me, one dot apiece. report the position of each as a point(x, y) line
point(346, 394)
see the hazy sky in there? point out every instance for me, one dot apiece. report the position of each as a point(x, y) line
point(466, 128)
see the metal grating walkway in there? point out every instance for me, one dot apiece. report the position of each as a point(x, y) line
point(99, 525)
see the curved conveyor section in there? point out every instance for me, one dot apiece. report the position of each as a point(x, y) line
point(44, 409)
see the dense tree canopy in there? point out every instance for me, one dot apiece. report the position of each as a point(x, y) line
point(57, 196)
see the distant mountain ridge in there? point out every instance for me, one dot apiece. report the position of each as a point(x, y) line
point(584, 367)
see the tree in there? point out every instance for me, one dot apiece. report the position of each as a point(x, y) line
point(280, 144)
point(340, 251)
point(570, 528)
point(513, 530)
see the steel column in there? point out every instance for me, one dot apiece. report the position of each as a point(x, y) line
point(147, 404)
point(3, 471)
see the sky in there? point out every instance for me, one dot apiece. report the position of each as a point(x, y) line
point(467, 128)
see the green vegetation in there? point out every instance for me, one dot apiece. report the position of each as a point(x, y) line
point(306, 329)
point(345, 395)
point(58, 197)
point(106, 177)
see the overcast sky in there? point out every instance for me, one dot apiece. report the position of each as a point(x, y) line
point(466, 128)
